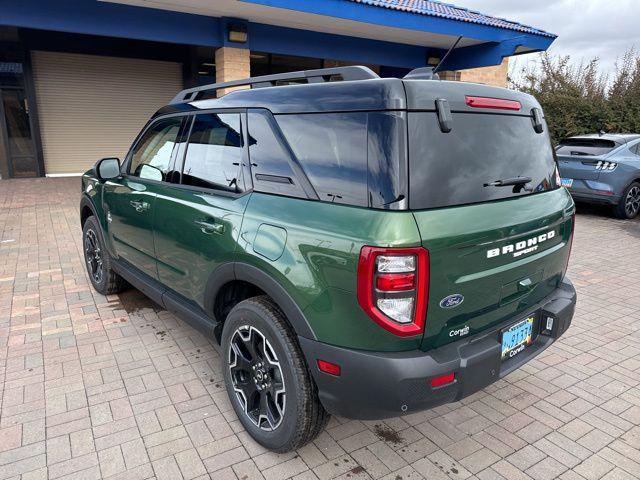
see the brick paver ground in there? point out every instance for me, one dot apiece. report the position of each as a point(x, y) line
point(115, 387)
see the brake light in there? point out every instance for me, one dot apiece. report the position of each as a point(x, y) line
point(393, 287)
point(495, 103)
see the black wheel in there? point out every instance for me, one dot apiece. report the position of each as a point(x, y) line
point(98, 261)
point(629, 205)
point(267, 378)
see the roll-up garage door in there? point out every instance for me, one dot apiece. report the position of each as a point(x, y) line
point(92, 106)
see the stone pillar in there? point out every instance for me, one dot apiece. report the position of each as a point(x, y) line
point(232, 64)
point(496, 76)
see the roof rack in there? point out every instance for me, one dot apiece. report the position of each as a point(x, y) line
point(312, 76)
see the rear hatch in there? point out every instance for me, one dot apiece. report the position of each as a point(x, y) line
point(495, 250)
point(583, 158)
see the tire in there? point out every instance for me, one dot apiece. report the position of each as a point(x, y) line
point(264, 364)
point(629, 205)
point(98, 261)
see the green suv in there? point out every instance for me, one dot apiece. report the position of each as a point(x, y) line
point(356, 245)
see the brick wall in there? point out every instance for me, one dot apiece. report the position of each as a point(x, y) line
point(496, 76)
point(232, 64)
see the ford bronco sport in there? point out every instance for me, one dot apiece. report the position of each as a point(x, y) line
point(357, 246)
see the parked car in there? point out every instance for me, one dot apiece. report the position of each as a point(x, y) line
point(603, 169)
point(357, 246)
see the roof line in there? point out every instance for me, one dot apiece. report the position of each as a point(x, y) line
point(449, 11)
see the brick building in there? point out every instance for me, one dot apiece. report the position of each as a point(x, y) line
point(79, 78)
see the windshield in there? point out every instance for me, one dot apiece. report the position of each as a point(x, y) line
point(484, 157)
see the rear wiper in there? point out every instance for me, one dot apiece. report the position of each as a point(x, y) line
point(508, 182)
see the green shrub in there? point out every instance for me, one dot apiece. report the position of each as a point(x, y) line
point(577, 99)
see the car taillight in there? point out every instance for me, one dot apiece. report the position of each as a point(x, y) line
point(494, 103)
point(606, 165)
point(393, 287)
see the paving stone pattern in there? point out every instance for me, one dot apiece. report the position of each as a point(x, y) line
point(115, 387)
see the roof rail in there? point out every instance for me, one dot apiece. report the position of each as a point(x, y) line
point(312, 76)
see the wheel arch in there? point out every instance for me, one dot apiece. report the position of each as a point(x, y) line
point(257, 282)
point(87, 209)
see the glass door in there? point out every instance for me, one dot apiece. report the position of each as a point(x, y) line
point(20, 149)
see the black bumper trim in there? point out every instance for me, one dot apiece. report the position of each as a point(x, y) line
point(375, 385)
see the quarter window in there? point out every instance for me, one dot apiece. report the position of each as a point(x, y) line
point(214, 152)
point(151, 158)
point(332, 149)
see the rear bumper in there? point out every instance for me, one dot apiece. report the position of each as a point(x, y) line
point(587, 197)
point(593, 191)
point(374, 385)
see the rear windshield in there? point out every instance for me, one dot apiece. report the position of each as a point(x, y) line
point(462, 166)
point(585, 146)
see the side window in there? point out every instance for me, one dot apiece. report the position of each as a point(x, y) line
point(270, 158)
point(332, 149)
point(214, 152)
point(152, 154)
point(636, 149)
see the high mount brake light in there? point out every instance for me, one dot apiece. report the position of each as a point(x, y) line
point(494, 103)
point(393, 287)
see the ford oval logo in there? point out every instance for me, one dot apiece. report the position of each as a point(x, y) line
point(451, 301)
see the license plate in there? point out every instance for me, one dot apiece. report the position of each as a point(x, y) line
point(566, 182)
point(516, 338)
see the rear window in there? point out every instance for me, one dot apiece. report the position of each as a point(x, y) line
point(453, 168)
point(585, 146)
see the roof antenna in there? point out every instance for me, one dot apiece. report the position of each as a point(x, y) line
point(451, 49)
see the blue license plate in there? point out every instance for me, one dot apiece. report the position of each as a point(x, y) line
point(566, 182)
point(516, 338)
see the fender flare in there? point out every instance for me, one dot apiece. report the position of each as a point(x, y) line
point(241, 271)
point(85, 201)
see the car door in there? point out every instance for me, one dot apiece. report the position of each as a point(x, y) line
point(198, 219)
point(130, 200)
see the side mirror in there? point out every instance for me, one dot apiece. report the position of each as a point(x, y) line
point(150, 172)
point(107, 168)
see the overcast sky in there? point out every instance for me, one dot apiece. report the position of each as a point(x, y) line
point(585, 28)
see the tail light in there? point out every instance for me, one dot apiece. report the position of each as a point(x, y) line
point(393, 287)
point(601, 165)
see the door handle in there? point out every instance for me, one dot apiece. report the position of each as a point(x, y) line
point(139, 206)
point(208, 227)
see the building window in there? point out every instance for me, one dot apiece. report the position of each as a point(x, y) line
point(271, 63)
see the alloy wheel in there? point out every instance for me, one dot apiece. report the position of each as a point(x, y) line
point(93, 255)
point(632, 202)
point(257, 378)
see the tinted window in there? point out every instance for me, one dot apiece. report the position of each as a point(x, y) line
point(585, 146)
point(452, 168)
point(214, 152)
point(386, 159)
point(152, 154)
point(332, 149)
point(271, 162)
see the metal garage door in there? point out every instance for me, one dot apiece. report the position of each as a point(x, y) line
point(92, 106)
